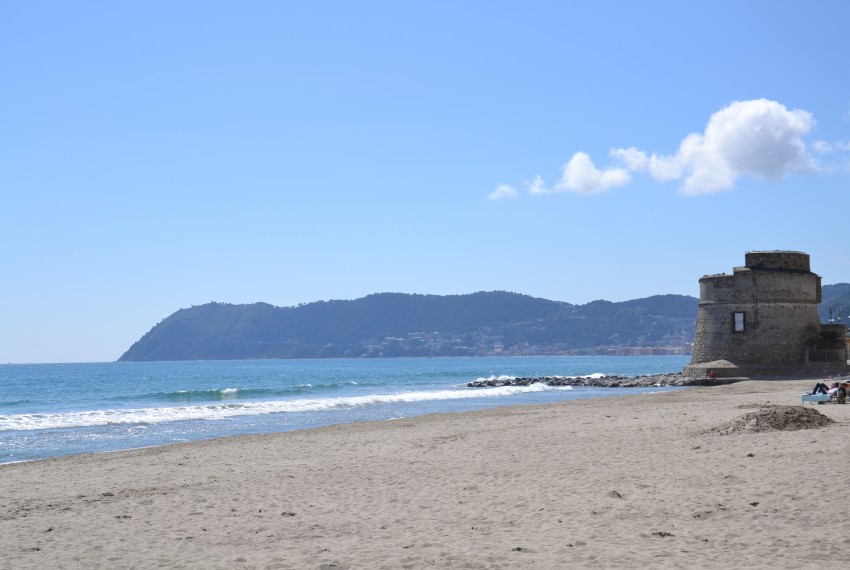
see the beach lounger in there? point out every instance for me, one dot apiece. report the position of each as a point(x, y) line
point(816, 398)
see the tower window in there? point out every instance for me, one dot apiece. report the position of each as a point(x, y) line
point(739, 322)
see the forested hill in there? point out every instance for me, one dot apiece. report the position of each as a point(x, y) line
point(395, 324)
point(835, 304)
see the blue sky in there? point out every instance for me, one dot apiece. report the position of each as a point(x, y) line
point(159, 155)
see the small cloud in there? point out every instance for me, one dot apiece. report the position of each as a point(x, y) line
point(633, 159)
point(581, 175)
point(537, 186)
point(661, 168)
point(824, 147)
point(503, 191)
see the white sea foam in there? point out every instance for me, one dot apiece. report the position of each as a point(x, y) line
point(594, 376)
point(220, 411)
point(503, 377)
point(494, 377)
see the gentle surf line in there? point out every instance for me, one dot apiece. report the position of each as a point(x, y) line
point(89, 418)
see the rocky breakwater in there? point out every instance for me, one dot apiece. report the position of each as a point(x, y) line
point(650, 381)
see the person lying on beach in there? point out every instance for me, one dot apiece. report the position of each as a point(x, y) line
point(820, 388)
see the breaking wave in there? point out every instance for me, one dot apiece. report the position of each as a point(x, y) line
point(224, 410)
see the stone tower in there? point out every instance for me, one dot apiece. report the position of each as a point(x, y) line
point(761, 320)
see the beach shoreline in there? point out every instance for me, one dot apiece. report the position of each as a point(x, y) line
point(618, 481)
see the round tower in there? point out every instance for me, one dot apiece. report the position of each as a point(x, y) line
point(759, 319)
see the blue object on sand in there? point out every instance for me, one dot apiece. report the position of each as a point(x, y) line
point(816, 398)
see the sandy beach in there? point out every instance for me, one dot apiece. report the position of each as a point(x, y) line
point(633, 481)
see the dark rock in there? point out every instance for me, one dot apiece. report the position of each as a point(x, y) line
point(650, 381)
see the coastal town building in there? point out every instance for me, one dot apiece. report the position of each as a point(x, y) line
point(762, 320)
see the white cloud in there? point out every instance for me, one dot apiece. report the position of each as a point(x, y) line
point(824, 147)
point(537, 186)
point(581, 175)
point(659, 167)
point(761, 138)
point(503, 191)
point(633, 159)
point(758, 137)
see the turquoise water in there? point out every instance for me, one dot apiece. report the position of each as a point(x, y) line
point(49, 410)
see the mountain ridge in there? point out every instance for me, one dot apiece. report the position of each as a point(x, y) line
point(400, 324)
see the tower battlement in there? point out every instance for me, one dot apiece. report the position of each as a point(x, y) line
point(777, 260)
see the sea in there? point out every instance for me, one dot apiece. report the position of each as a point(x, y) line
point(52, 410)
